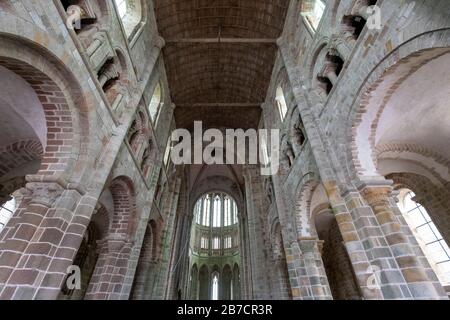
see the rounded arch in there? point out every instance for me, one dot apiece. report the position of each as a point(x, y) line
point(124, 220)
point(302, 206)
point(226, 283)
point(194, 282)
point(133, 14)
point(236, 282)
point(37, 59)
point(204, 278)
point(312, 63)
point(434, 197)
point(379, 95)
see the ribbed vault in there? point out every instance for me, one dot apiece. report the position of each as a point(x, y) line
point(219, 57)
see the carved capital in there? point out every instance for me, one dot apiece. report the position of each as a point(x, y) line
point(377, 196)
point(43, 193)
point(309, 244)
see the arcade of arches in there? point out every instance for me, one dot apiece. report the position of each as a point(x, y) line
point(92, 207)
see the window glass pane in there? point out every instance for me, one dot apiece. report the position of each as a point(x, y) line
point(428, 236)
point(281, 103)
point(216, 218)
point(215, 288)
point(6, 212)
point(313, 11)
point(155, 104)
point(206, 211)
point(122, 7)
point(426, 233)
point(167, 153)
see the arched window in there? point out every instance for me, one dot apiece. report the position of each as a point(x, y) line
point(204, 243)
point(264, 153)
point(227, 213)
point(6, 212)
point(206, 211)
point(130, 12)
point(216, 243)
point(220, 208)
point(312, 11)
point(155, 104)
point(198, 213)
point(217, 212)
point(215, 286)
point(281, 103)
point(228, 243)
point(428, 236)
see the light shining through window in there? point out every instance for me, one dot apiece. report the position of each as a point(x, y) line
point(281, 103)
point(215, 287)
point(428, 236)
point(204, 243)
point(155, 103)
point(313, 11)
point(216, 210)
point(216, 243)
point(122, 7)
point(6, 212)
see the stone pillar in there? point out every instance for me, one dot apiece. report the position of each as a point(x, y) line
point(109, 275)
point(41, 241)
point(322, 152)
point(161, 284)
point(309, 265)
point(419, 285)
point(254, 194)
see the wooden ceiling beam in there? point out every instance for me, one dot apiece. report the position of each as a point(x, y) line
point(220, 105)
point(222, 40)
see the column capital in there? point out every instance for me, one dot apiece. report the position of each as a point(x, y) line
point(378, 195)
point(309, 244)
point(44, 193)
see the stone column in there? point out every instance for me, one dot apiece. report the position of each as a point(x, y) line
point(419, 285)
point(41, 240)
point(254, 193)
point(109, 275)
point(313, 278)
point(161, 284)
point(323, 154)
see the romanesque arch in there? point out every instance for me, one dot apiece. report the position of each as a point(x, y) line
point(415, 61)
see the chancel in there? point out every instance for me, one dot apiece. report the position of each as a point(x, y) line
point(346, 196)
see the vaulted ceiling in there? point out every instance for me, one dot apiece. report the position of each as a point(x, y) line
point(219, 57)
